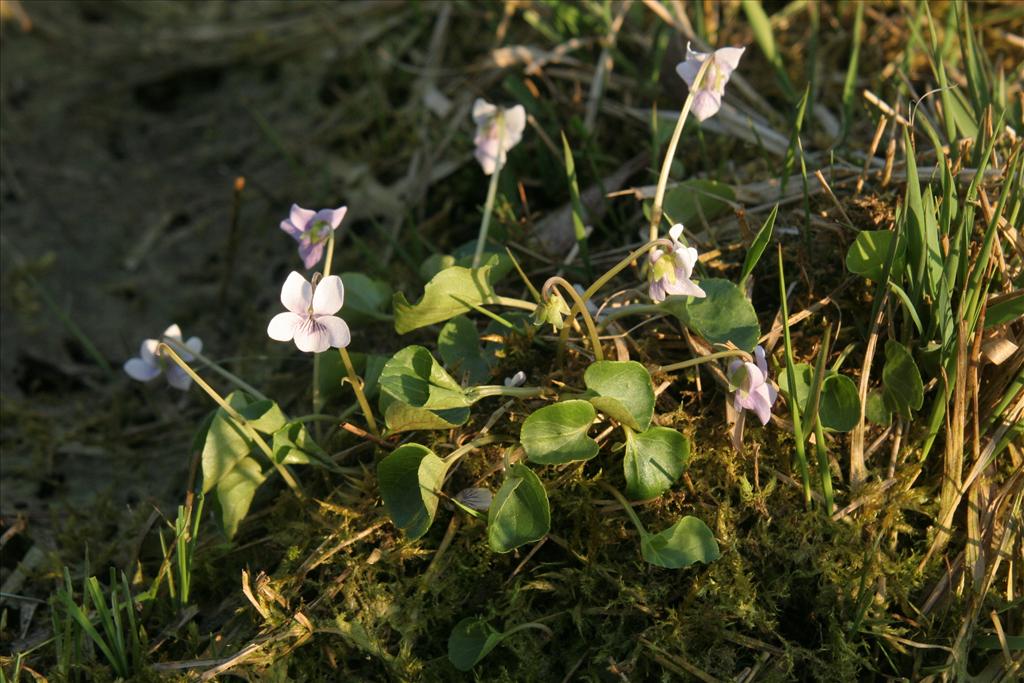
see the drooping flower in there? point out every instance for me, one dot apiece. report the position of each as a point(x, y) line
point(516, 380)
point(552, 311)
point(151, 361)
point(707, 99)
point(670, 272)
point(496, 127)
point(311, 229)
point(310, 319)
point(752, 387)
point(475, 498)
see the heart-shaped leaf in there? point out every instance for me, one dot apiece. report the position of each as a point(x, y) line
point(839, 406)
point(459, 348)
point(724, 315)
point(867, 255)
point(557, 434)
point(903, 388)
point(520, 512)
point(691, 200)
point(624, 392)
point(448, 294)
point(687, 541)
point(235, 492)
point(365, 298)
point(471, 640)
point(409, 479)
point(402, 417)
point(654, 460)
point(414, 377)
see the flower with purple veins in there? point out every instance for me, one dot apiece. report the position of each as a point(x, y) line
point(670, 273)
point(310, 319)
point(496, 127)
point(150, 362)
point(753, 390)
point(311, 229)
point(707, 99)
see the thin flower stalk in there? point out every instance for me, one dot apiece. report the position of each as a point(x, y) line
point(579, 304)
point(357, 387)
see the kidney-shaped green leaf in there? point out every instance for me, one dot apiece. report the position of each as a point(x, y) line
point(624, 391)
point(409, 479)
point(867, 255)
point(687, 541)
point(557, 434)
point(839, 408)
point(471, 640)
point(519, 513)
point(654, 460)
point(413, 376)
point(903, 388)
point(724, 315)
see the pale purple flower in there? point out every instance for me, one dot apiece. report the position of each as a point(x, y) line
point(312, 229)
point(516, 380)
point(753, 390)
point(496, 127)
point(310, 319)
point(707, 99)
point(670, 273)
point(150, 362)
point(475, 498)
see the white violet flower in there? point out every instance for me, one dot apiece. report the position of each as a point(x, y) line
point(496, 126)
point(670, 273)
point(151, 362)
point(310, 319)
point(707, 99)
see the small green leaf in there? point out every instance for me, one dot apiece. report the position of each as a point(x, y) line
point(557, 434)
point(458, 344)
point(365, 298)
point(519, 513)
point(804, 374)
point(868, 253)
point(264, 416)
point(235, 492)
point(447, 295)
point(414, 377)
point(654, 460)
point(724, 315)
point(839, 406)
point(471, 640)
point(757, 247)
point(409, 479)
point(690, 200)
point(624, 392)
point(903, 388)
point(876, 410)
point(687, 541)
point(293, 445)
point(402, 417)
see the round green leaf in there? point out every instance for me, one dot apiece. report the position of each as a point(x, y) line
point(557, 434)
point(414, 377)
point(839, 406)
point(409, 479)
point(471, 640)
point(519, 513)
point(904, 390)
point(866, 256)
point(687, 541)
point(624, 392)
point(724, 315)
point(654, 460)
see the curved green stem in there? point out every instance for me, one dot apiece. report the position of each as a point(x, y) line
point(666, 165)
point(557, 281)
point(213, 365)
point(704, 359)
point(474, 394)
point(630, 512)
point(610, 315)
point(515, 303)
point(452, 457)
point(531, 624)
point(357, 387)
point(492, 191)
point(237, 417)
